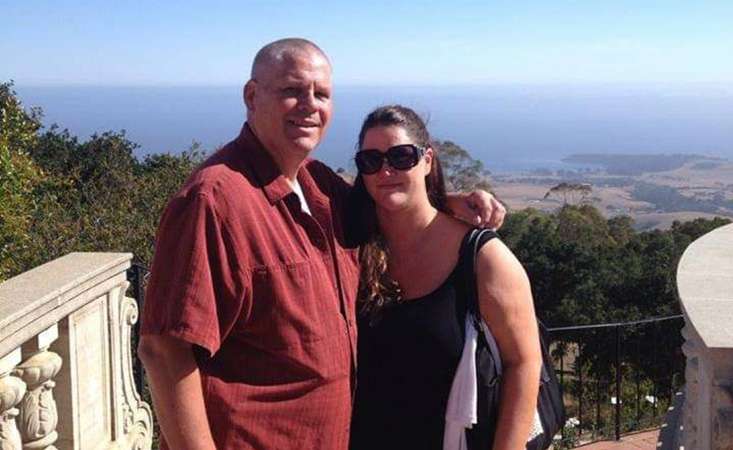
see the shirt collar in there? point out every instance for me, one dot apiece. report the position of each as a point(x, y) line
point(263, 167)
point(268, 174)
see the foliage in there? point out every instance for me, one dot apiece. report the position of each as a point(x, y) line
point(58, 194)
point(462, 172)
point(587, 269)
point(19, 177)
point(667, 198)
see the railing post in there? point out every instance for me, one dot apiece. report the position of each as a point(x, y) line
point(579, 364)
point(135, 275)
point(654, 368)
point(618, 383)
point(598, 405)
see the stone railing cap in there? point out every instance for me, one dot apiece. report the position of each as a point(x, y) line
point(32, 294)
point(705, 286)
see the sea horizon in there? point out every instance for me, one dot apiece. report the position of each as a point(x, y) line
point(509, 127)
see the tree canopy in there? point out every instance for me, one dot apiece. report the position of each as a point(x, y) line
point(59, 194)
point(462, 172)
point(19, 177)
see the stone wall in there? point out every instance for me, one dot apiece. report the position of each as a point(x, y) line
point(66, 377)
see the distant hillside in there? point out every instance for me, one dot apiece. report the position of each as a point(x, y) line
point(638, 164)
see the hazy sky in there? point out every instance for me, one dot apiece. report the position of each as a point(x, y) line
point(370, 42)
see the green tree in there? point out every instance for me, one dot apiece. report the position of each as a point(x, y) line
point(19, 177)
point(103, 197)
point(462, 172)
point(575, 192)
point(621, 229)
point(159, 177)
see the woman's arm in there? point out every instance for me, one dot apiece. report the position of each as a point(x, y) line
point(505, 301)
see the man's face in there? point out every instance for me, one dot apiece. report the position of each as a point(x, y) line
point(289, 104)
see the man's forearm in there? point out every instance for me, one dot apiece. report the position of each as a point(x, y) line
point(477, 208)
point(175, 384)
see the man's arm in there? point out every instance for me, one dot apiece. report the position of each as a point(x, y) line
point(175, 383)
point(477, 208)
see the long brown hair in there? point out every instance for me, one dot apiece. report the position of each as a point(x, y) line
point(376, 287)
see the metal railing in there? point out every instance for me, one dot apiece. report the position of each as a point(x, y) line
point(137, 276)
point(608, 357)
point(627, 371)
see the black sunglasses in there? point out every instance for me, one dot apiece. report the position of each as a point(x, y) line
point(400, 157)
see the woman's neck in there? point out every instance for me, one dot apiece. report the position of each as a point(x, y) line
point(403, 228)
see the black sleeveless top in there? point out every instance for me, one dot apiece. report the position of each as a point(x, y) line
point(406, 362)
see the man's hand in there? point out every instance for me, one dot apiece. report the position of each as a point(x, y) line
point(478, 208)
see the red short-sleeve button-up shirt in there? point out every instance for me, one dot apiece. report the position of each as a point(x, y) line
point(266, 292)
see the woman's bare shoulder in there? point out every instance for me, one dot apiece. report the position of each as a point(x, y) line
point(498, 269)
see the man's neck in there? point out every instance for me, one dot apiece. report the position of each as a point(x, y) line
point(289, 162)
point(288, 168)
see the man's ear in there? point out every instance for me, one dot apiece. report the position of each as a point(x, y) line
point(249, 94)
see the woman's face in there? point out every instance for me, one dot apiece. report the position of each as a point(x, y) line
point(394, 189)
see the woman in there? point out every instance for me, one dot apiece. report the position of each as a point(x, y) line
point(412, 313)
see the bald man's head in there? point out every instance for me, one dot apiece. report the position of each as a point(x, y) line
point(288, 99)
point(275, 53)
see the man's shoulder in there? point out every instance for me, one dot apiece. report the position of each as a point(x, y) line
point(324, 174)
point(315, 165)
point(221, 174)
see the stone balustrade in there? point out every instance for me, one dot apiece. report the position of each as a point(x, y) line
point(705, 286)
point(66, 378)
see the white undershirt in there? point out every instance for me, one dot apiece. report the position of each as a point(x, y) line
point(299, 192)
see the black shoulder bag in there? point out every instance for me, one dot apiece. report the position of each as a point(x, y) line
point(550, 406)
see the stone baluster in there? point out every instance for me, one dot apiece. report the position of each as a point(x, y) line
point(12, 390)
point(38, 416)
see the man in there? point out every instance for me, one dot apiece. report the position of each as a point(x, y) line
point(248, 331)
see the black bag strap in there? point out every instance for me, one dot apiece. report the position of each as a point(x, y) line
point(469, 253)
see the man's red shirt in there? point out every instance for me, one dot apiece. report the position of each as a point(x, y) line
point(266, 292)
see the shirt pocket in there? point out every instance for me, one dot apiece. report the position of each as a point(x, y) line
point(291, 306)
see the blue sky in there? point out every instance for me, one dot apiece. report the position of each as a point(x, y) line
point(374, 43)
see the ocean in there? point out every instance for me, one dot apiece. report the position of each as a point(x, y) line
point(508, 127)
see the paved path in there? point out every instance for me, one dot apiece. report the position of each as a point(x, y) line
point(646, 440)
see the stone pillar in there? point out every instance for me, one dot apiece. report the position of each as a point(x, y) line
point(705, 288)
point(722, 400)
point(690, 415)
point(38, 416)
point(12, 390)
